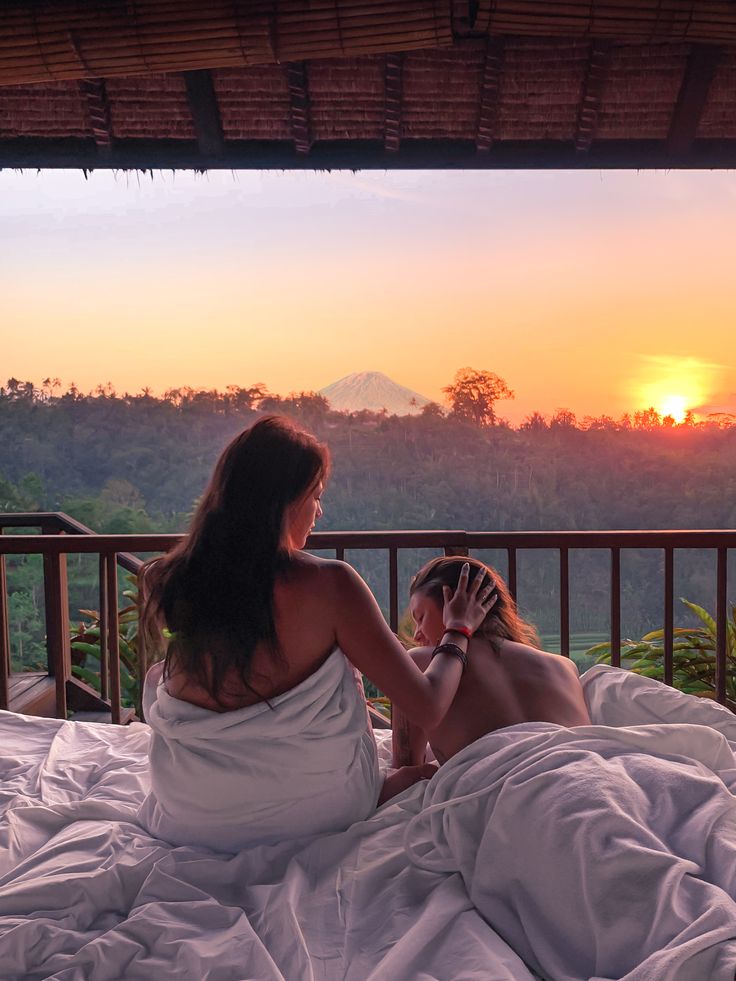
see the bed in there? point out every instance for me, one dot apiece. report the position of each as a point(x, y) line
point(510, 864)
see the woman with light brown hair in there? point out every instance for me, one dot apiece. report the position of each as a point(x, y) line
point(260, 727)
point(508, 679)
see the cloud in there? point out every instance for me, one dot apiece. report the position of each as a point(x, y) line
point(678, 363)
point(662, 380)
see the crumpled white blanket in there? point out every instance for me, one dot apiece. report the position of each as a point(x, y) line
point(241, 778)
point(87, 895)
point(595, 853)
point(598, 852)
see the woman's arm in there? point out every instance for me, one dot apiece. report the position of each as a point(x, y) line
point(409, 741)
point(365, 638)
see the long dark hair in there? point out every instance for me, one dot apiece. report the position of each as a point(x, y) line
point(213, 592)
point(502, 621)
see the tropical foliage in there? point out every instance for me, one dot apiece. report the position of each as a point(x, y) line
point(86, 654)
point(136, 463)
point(694, 655)
point(473, 395)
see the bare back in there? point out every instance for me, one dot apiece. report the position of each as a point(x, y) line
point(505, 686)
point(304, 599)
point(321, 604)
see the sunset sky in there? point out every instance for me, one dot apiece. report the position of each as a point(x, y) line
point(597, 292)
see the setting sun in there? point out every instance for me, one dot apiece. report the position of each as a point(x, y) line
point(675, 386)
point(675, 406)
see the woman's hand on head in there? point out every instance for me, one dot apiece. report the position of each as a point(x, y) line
point(469, 605)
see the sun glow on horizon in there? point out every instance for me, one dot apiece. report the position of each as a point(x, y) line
point(675, 406)
point(675, 386)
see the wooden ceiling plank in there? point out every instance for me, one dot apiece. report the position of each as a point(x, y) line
point(205, 111)
point(489, 94)
point(702, 65)
point(296, 75)
point(393, 94)
point(599, 60)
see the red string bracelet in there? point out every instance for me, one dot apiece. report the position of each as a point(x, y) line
point(465, 631)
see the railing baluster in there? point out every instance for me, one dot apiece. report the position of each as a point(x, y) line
point(669, 616)
point(340, 553)
point(4, 638)
point(511, 556)
point(109, 548)
point(393, 588)
point(58, 639)
point(113, 638)
point(616, 607)
point(721, 624)
point(564, 603)
point(104, 658)
point(141, 651)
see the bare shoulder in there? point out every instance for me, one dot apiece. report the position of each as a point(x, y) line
point(557, 661)
point(331, 580)
point(304, 567)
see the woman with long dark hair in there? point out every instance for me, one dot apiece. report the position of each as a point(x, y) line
point(260, 728)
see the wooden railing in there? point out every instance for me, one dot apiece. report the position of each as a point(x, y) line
point(61, 535)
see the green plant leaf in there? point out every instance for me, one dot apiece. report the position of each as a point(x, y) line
point(598, 649)
point(92, 650)
point(90, 677)
point(703, 614)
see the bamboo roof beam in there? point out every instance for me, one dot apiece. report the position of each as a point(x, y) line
point(296, 74)
point(98, 113)
point(702, 64)
point(393, 76)
point(205, 112)
point(631, 21)
point(590, 102)
point(54, 40)
point(489, 94)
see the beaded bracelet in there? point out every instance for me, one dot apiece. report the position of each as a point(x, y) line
point(451, 649)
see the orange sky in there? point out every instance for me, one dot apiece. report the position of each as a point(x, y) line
point(598, 292)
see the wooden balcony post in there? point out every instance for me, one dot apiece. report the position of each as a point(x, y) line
point(4, 639)
point(721, 624)
point(113, 637)
point(58, 639)
point(511, 561)
point(393, 588)
point(616, 607)
point(669, 615)
point(142, 652)
point(104, 657)
point(564, 603)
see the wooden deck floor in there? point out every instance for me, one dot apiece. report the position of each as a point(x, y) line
point(32, 693)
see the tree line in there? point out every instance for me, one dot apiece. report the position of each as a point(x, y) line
point(138, 463)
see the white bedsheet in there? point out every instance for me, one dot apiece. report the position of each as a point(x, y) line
point(85, 893)
point(587, 850)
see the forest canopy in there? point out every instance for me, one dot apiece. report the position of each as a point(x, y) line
point(138, 463)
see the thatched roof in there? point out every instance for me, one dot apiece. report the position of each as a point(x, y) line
point(368, 83)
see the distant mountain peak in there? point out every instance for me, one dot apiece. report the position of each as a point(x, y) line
point(374, 391)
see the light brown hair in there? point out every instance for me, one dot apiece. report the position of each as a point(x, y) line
point(502, 621)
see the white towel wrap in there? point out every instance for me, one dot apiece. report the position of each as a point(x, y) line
point(260, 775)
